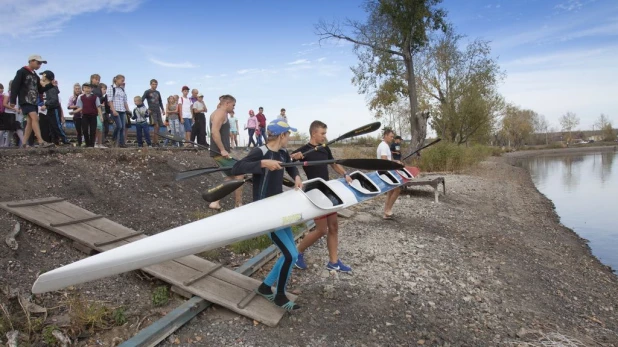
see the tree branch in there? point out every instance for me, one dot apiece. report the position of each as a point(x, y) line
point(332, 30)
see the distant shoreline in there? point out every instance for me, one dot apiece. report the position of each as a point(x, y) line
point(561, 151)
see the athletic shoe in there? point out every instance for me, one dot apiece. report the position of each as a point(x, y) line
point(338, 266)
point(102, 146)
point(300, 262)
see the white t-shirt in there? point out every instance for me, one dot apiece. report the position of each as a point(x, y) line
point(185, 104)
point(384, 149)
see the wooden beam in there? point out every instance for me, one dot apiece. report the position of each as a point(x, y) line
point(105, 243)
point(75, 221)
point(202, 275)
point(35, 203)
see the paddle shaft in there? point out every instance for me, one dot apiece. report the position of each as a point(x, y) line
point(418, 150)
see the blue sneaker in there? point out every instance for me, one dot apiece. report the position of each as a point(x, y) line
point(300, 262)
point(338, 266)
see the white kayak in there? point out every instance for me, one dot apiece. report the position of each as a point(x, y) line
point(317, 198)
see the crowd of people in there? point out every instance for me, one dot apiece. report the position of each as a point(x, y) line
point(32, 114)
point(95, 107)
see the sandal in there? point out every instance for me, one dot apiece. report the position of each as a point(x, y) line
point(388, 216)
point(289, 306)
point(269, 297)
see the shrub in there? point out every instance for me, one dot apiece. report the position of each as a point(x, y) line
point(246, 246)
point(160, 296)
point(453, 158)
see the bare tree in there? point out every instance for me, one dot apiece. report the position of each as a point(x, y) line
point(541, 126)
point(395, 31)
point(601, 122)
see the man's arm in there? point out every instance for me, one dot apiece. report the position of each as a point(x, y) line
point(16, 86)
point(218, 119)
point(252, 164)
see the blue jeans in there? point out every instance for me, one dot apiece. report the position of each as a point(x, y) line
point(145, 129)
point(281, 272)
point(264, 135)
point(188, 123)
point(120, 121)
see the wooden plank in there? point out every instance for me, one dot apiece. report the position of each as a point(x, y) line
point(246, 300)
point(159, 330)
point(120, 238)
point(34, 202)
point(75, 221)
point(202, 275)
point(184, 293)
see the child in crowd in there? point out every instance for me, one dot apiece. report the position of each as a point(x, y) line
point(89, 105)
point(140, 115)
point(107, 119)
point(251, 125)
point(198, 108)
point(172, 110)
point(77, 117)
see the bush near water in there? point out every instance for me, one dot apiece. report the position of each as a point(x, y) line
point(450, 157)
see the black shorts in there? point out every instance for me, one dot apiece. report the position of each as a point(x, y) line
point(26, 109)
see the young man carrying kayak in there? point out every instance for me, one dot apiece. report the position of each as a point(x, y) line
point(263, 162)
point(325, 225)
point(384, 152)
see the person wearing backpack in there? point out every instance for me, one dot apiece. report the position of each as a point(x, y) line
point(118, 105)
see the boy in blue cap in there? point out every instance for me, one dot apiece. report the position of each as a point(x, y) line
point(265, 184)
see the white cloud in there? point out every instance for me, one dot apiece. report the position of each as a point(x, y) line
point(185, 65)
point(321, 59)
point(170, 83)
point(299, 61)
point(41, 18)
point(570, 5)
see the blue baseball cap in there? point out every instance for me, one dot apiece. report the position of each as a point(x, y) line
point(278, 127)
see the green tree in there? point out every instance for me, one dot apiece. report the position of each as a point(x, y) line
point(461, 85)
point(518, 125)
point(395, 31)
point(608, 132)
point(569, 121)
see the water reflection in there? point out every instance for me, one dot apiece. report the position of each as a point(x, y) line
point(584, 189)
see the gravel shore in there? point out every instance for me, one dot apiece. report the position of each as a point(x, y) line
point(488, 265)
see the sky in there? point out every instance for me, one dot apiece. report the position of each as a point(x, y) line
point(558, 55)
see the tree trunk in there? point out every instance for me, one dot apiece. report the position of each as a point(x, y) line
point(418, 123)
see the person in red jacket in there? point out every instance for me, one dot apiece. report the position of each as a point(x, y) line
point(261, 118)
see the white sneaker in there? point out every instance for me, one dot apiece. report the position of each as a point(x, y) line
point(102, 146)
point(96, 145)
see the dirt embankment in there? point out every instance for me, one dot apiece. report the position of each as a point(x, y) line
point(488, 265)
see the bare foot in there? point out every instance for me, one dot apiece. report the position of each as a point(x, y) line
point(215, 206)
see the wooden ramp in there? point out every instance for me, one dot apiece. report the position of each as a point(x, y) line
point(189, 274)
point(434, 182)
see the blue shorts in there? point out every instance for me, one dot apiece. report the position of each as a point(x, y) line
point(27, 109)
point(188, 123)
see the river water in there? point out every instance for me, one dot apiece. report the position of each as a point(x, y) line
point(584, 189)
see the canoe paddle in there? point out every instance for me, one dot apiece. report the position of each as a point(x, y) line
point(227, 187)
point(365, 129)
point(425, 146)
point(286, 181)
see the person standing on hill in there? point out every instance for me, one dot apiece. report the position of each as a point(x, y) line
point(199, 117)
point(77, 117)
point(261, 118)
point(155, 109)
point(26, 87)
point(185, 109)
point(220, 144)
point(119, 106)
point(396, 148)
point(251, 125)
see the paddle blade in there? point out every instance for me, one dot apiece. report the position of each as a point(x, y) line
point(370, 164)
point(222, 190)
point(418, 150)
point(183, 175)
point(365, 129)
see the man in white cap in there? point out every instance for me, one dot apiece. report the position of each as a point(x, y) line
point(27, 86)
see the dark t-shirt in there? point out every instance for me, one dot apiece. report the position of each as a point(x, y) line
point(153, 97)
point(396, 147)
point(225, 138)
point(323, 153)
point(266, 183)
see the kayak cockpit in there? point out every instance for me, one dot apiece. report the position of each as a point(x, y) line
point(389, 178)
point(362, 184)
point(321, 195)
point(405, 174)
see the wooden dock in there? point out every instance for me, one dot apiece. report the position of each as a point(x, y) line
point(191, 274)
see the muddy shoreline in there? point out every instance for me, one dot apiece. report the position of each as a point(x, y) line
point(490, 264)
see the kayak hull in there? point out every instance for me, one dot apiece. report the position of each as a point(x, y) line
point(316, 199)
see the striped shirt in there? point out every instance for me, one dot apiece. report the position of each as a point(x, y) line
point(119, 98)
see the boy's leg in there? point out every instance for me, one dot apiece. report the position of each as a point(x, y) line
point(321, 225)
point(332, 238)
point(78, 130)
point(138, 130)
point(284, 240)
point(44, 127)
point(147, 134)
